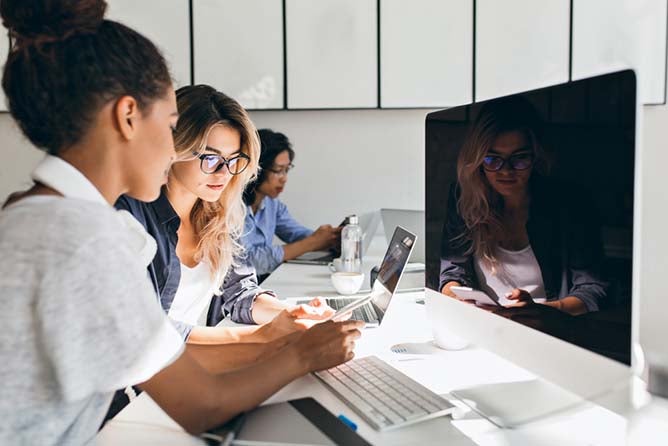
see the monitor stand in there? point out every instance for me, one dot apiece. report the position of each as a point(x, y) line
point(512, 404)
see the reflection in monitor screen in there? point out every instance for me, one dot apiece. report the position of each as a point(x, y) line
point(529, 199)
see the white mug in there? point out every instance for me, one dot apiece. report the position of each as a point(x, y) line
point(347, 283)
point(336, 265)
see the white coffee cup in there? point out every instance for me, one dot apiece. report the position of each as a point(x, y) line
point(347, 283)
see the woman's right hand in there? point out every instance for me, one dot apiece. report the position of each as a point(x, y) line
point(325, 237)
point(447, 291)
point(327, 344)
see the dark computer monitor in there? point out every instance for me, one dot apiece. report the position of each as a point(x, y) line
point(565, 189)
point(535, 191)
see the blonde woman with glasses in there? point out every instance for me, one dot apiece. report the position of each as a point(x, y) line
point(201, 272)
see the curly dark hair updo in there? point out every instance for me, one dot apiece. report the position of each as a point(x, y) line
point(67, 61)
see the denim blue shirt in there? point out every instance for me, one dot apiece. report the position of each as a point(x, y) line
point(240, 286)
point(272, 218)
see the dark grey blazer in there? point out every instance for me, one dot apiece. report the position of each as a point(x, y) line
point(240, 285)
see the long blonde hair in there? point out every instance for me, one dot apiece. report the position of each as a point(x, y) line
point(218, 224)
point(479, 205)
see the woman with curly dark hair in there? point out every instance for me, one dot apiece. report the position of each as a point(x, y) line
point(80, 317)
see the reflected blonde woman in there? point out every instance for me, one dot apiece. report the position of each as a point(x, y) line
point(511, 231)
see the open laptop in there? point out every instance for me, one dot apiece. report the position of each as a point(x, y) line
point(368, 222)
point(391, 270)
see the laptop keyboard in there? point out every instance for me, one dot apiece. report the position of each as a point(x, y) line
point(364, 313)
point(382, 395)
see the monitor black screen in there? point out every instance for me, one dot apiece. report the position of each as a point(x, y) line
point(534, 193)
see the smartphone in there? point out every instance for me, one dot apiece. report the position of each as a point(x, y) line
point(480, 297)
point(338, 316)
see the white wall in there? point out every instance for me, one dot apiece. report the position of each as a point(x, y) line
point(351, 161)
point(347, 160)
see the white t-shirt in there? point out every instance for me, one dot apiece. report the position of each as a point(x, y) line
point(80, 318)
point(193, 296)
point(514, 269)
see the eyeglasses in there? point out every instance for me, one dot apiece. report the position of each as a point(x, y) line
point(210, 163)
point(281, 172)
point(519, 161)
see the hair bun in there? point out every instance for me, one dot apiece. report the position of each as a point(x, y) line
point(51, 20)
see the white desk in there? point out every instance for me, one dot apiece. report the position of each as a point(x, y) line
point(144, 423)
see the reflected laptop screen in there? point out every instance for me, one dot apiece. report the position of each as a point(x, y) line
point(394, 263)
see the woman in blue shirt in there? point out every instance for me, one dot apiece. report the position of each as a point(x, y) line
point(267, 216)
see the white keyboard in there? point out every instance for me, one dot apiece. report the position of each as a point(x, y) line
point(382, 395)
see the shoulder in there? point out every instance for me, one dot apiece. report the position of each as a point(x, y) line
point(277, 204)
point(273, 206)
point(139, 209)
point(61, 225)
point(44, 211)
point(129, 204)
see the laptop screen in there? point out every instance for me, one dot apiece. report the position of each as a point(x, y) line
point(394, 263)
point(411, 220)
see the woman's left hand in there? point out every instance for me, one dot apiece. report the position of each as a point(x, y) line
point(521, 297)
point(316, 309)
point(297, 318)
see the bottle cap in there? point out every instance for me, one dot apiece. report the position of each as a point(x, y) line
point(353, 220)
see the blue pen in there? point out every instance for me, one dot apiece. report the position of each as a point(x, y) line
point(348, 422)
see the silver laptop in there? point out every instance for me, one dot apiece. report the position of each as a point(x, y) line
point(368, 221)
point(389, 275)
point(412, 220)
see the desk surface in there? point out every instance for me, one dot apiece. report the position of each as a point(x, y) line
point(143, 422)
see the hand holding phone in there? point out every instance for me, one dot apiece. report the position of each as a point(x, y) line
point(479, 297)
point(346, 311)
